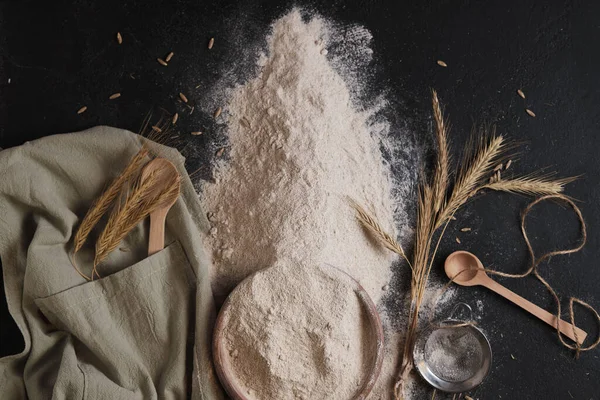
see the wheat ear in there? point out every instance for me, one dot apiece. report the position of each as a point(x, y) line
point(380, 234)
point(531, 185)
point(103, 203)
point(441, 175)
point(140, 202)
point(476, 167)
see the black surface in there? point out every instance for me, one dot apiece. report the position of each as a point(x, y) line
point(61, 55)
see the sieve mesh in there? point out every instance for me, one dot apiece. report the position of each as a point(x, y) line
point(453, 354)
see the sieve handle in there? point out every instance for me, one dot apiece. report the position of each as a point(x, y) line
point(564, 327)
point(453, 317)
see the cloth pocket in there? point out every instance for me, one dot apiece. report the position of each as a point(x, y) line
point(133, 330)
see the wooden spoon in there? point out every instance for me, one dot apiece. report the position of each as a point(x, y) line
point(168, 175)
point(474, 275)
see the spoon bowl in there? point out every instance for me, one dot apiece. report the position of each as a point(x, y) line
point(464, 268)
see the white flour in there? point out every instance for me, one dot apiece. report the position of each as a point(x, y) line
point(300, 141)
point(299, 148)
point(298, 332)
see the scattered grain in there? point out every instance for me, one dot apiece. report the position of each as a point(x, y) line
point(183, 98)
point(82, 110)
point(124, 249)
point(196, 133)
point(218, 112)
point(220, 152)
point(114, 96)
point(442, 64)
point(467, 397)
point(531, 113)
point(457, 240)
point(162, 62)
point(192, 110)
point(465, 230)
point(508, 164)
point(156, 129)
point(513, 357)
point(169, 56)
point(520, 93)
point(211, 43)
point(175, 118)
point(498, 167)
point(453, 218)
point(119, 38)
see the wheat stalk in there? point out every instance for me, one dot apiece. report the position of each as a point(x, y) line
point(440, 179)
point(531, 185)
point(476, 166)
point(103, 203)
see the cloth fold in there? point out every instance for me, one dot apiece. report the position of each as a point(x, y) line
point(144, 330)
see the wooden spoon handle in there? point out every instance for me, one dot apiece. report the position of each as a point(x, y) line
point(156, 241)
point(565, 327)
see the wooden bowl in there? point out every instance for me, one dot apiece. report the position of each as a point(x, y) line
point(229, 381)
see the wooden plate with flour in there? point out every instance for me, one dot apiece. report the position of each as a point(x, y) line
point(296, 331)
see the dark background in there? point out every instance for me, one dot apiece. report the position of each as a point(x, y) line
point(61, 55)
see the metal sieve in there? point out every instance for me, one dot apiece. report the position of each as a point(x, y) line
point(453, 358)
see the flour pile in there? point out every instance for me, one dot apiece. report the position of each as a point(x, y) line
point(301, 142)
point(298, 149)
point(298, 332)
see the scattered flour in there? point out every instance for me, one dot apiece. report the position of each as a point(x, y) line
point(298, 332)
point(298, 149)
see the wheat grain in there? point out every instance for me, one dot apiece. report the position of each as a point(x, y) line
point(114, 96)
point(465, 230)
point(175, 118)
point(183, 98)
point(520, 93)
point(162, 62)
point(196, 133)
point(169, 56)
point(442, 64)
point(218, 112)
point(211, 43)
point(82, 110)
point(119, 38)
point(531, 113)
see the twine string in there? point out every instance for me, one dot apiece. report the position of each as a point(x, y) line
point(533, 270)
